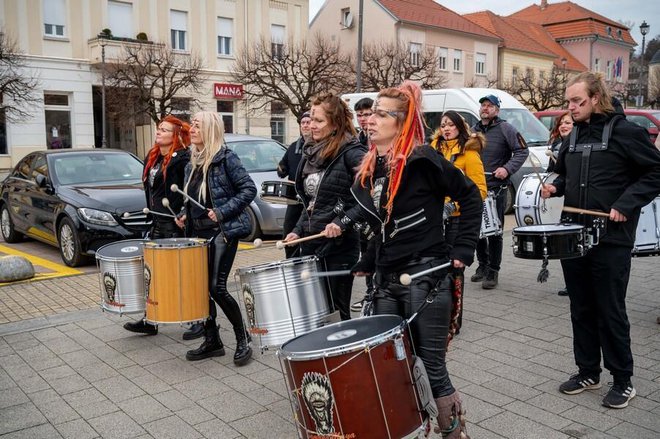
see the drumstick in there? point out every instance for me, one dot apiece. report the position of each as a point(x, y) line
point(585, 211)
point(175, 188)
point(406, 278)
point(166, 203)
point(260, 242)
point(551, 155)
point(306, 274)
point(281, 244)
point(146, 210)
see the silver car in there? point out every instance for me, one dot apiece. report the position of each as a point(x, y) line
point(260, 157)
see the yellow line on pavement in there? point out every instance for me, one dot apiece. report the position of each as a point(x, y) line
point(59, 269)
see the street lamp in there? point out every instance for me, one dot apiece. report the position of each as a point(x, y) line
point(644, 29)
point(102, 43)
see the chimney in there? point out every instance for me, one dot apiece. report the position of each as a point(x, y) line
point(544, 4)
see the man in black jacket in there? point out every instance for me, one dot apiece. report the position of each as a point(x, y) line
point(363, 111)
point(503, 155)
point(610, 165)
point(287, 169)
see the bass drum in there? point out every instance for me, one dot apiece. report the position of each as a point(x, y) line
point(531, 208)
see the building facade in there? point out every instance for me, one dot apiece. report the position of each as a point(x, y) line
point(60, 40)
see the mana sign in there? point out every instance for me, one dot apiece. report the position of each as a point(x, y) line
point(228, 91)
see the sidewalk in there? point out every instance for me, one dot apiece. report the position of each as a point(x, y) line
point(69, 370)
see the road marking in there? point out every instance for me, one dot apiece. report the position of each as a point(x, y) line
point(58, 270)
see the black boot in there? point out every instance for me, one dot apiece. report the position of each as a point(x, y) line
point(243, 349)
point(212, 345)
point(196, 330)
point(141, 327)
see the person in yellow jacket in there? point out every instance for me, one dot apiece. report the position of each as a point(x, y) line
point(461, 147)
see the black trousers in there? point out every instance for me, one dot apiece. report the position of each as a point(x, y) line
point(221, 258)
point(430, 328)
point(597, 285)
point(291, 217)
point(451, 232)
point(163, 229)
point(489, 250)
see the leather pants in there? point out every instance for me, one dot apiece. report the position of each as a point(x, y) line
point(430, 328)
point(161, 229)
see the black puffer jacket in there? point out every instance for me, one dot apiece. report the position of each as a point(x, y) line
point(335, 186)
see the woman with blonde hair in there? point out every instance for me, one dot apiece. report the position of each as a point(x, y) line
point(216, 178)
point(401, 186)
point(461, 147)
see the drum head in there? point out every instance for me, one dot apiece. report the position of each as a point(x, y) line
point(342, 334)
point(128, 248)
point(548, 228)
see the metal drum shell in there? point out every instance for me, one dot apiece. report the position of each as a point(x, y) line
point(279, 192)
point(559, 241)
point(490, 222)
point(647, 234)
point(122, 277)
point(279, 303)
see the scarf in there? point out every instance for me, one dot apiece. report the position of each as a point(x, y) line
point(312, 152)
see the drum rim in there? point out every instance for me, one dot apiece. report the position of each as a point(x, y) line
point(374, 340)
point(184, 242)
point(281, 263)
point(119, 258)
point(561, 227)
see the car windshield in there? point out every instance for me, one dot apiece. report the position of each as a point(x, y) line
point(95, 168)
point(532, 129)
point(261, 155)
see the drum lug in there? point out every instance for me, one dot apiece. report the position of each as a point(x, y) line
point(400, 348)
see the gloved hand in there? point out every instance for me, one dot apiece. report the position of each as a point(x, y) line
point(448, 210)
point(368, 303)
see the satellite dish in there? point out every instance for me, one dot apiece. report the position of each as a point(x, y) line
point(348, 20)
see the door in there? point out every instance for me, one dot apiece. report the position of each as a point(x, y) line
point(43, 202)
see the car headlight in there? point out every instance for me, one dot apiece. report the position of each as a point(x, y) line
point(97, 216)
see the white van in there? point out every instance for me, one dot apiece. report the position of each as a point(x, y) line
point(465, 101)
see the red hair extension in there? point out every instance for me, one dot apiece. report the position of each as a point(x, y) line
point(180, 141)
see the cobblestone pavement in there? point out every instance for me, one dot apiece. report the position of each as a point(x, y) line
point(69, 370)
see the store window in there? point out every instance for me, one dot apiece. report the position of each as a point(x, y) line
point(226, 110)
point(277, 121)
point(57, 111)
point(54, 17)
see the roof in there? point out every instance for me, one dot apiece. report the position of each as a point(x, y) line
point(571, 20)
point(656, 58)
point(430, 13)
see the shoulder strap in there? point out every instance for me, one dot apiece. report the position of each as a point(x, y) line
point(607, 130)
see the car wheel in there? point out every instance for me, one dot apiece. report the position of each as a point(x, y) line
point(7, 226)
point(256, 230)
point(510, 199)
point(69, 244)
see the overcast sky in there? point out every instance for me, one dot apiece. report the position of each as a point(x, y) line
point(634, 11)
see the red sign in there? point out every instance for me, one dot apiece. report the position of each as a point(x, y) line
point(228, 91)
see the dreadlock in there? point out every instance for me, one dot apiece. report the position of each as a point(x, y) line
point(411, 135)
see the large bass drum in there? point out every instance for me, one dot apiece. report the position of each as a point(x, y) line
point(121, 275)
point(356, 379)
point(531, 208)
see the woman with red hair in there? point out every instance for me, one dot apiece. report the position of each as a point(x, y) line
point(401, 186)
point(164, 166)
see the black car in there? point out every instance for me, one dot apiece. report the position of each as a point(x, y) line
point(76, 199)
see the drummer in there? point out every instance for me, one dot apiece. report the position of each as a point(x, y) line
point(323, 181)
point(216, 179)
point(287, 169)
point(401, 185)
point(164, 165)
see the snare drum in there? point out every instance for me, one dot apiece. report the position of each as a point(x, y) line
point(176, 280)
point(545, 241)
point(490, 222)
point(531, 208)
point(281, 303)
point(279, 192)
point(354, 379)
point(121, 275)
point(647, 234)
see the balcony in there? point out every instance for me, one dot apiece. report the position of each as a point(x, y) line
point(113, 48)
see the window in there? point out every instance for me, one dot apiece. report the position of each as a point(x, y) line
point(529, 73)
point(609, 70)
point(120, 19)
point(54, 17)
point(514, 75)
point(597, 65)
point(180, 107)
point(225, 33)
point(58, 120)
point(277, 121)
point(443, 53)
point(480, 64)
point(3, 131)
point(39, 167)
point(226, 110)
point(415, 54)
point(458, 56)
point(346, 18)
point(179, 25)
point(277, 33)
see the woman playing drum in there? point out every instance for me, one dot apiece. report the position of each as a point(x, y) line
point(216, 179)
point(401, 188)
point(164, 166)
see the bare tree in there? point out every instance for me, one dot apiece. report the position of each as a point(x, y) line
point(654, 87)
point(486, 82)
point(17, 83)
point(539, 94)
point(624, 92)
point(389, 64)
point(291, 74)
point(152, 79)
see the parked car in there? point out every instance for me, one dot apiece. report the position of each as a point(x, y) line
point(647, 119)
point(260, 157)
point(75, 199)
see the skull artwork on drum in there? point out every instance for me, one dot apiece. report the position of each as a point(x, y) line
point(248, 299)
point(317, 394)
point(147, 281)
point(110, 285)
